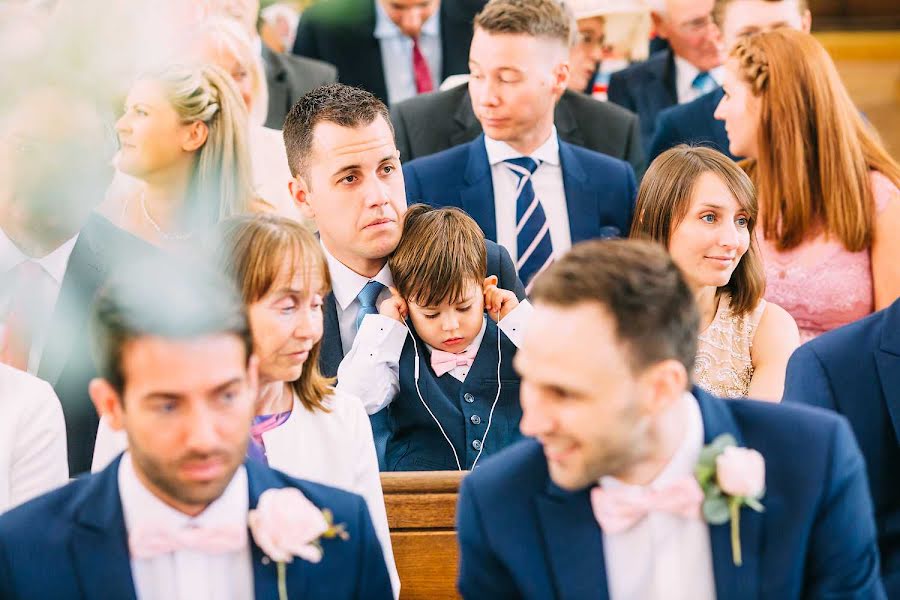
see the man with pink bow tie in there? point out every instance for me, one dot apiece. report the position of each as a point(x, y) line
point(639, 486)
point(180, 515)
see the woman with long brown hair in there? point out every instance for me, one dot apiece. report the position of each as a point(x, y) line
point(702, 208)
point(829, 206)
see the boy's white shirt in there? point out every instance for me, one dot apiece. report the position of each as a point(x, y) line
point(371, 370)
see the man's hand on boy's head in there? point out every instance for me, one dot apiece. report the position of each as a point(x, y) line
point(498, 300)
point(394, 307)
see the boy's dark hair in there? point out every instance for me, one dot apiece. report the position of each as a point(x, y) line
point(165, 298)
point(440, 252)
point(639, 286)
point(334, 103)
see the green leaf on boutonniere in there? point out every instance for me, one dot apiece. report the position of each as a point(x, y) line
point(754, 503)
point(715, 510)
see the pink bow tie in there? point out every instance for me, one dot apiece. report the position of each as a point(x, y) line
point(150, 541)
point(618, 509)
point(444, 362)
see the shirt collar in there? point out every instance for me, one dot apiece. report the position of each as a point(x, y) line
point(548, 152)
point(475, 342)
point(140, 505)
point(54, 263)
point(385, 28)
point(346, 284)
point(686, 456)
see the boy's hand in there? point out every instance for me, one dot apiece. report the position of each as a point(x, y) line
point(497, 300)
point(394, 307)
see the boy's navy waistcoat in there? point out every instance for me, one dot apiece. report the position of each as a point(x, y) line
point(462, 408)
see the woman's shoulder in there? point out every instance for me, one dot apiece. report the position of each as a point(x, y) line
point(774, 323)
point(343, 407)
point(884, 191)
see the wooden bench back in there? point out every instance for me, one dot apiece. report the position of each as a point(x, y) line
point(421, 511)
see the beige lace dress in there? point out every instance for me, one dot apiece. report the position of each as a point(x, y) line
point(724, 367)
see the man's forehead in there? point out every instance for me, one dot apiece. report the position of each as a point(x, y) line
point(332, 141)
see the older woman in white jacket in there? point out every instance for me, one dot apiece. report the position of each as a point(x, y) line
point(33, 456)
point(304, 427)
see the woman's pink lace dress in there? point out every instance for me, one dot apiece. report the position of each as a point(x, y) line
point(820, 283)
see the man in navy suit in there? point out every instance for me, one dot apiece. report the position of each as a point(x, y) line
point(169, 518)
point(392, 48)
point(689, 68)
point(694, 122)
point(530, 192)
point(855, 370)
point(347, 178)
point(606, 501)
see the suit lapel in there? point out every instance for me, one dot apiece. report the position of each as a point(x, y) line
point(581, 201)
point(574, 543)
point(86, 270)
point(887, 359)
point(265, 571)
point(468, 127)
point(99, 543)
point(332, 351)
point(276, 82)
point(477, 196)
point(732, 582)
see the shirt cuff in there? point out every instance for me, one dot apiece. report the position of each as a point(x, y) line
point(385, 334)
point(513, 325)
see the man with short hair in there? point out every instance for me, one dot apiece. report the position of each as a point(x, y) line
point(694, 123)
point(530, 192)
point(395, 49)
point(855, 371)
point(689, 68)
point(288, 77)
point(169, 518)
point(605, 502)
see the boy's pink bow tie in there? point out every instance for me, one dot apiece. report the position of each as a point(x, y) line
point(149, 541)
point(619, 509)
point(444, 362)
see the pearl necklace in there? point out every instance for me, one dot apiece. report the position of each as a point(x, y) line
point(179, 237)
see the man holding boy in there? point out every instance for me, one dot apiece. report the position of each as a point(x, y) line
point(169, 518)
point(606, 501)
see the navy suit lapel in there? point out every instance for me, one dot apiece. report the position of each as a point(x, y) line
point(581, 200)
point(574, 543)
point(265, 571)
point(99, 543)
point(732, 582)
point(887, 359)
point(332, 350)
point(477, 197)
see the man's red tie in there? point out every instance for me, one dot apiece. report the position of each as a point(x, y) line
point(421, 70)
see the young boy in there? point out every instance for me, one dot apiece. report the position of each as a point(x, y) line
point(447, 381)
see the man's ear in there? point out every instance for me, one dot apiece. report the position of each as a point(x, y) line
point(107, 402)
point(299, 191)
point(666, 382)
point(659, 25)
point(561, 78)
point(197, 133)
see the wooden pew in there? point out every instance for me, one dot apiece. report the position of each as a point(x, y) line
point(421, 511)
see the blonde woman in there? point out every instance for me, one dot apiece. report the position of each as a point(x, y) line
point(183, 146)
point(223, 42)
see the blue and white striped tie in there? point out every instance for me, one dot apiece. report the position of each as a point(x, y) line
point(534, 248)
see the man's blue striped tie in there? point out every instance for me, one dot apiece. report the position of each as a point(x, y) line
point(534, 248)
point(367, 298)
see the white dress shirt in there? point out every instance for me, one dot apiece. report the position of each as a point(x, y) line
point(685, 73)
point(547, 182)
point(332, 448)
point(33, 457)
point(664, 556)
point(397, 54)
point(371, 370)
point(346, 284)
point(53, 266)
point(188, 574)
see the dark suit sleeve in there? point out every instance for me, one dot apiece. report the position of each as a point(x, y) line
point(507, 275)
point(664, 136)
point(618, 92)
point(411, 181)
point(481, 574)
point(843, 552)
point(634, 151)
point(401, 137)
point(305, 42)
point(373, 579)
point(6, 576)
point(806, 381)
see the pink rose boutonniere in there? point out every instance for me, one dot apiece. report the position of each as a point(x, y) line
point(286, 524)
point(731, 478)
